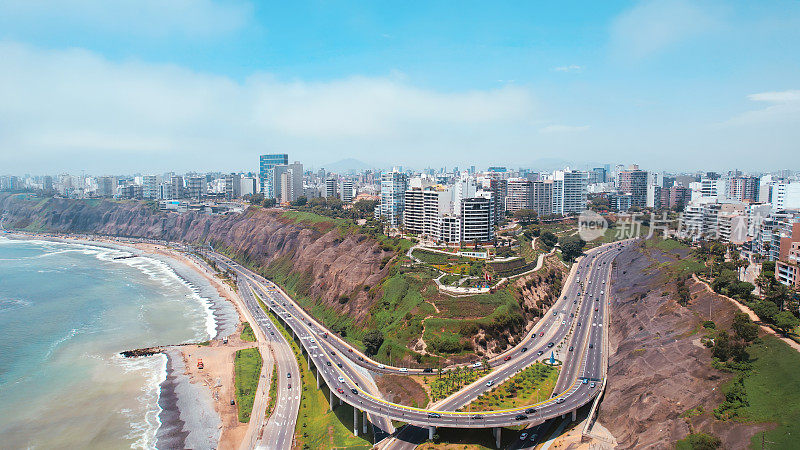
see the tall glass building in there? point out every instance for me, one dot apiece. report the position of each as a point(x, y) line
point(266, 175)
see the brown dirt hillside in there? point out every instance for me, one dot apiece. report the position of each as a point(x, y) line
point(333, 264)
point(658, 369)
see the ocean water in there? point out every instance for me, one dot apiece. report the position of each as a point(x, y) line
point(66, 311)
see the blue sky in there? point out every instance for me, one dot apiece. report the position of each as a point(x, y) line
point(148, 85)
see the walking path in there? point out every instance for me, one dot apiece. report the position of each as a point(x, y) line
point(753, 316)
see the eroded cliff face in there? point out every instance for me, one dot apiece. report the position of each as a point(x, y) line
point(326, 263)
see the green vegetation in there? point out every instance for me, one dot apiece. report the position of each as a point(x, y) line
point(698, 441)
point(767, 390)
point(247, 368)
point(372, 341)
point(532, 385)
point(452, 380)
point(247, 333)
point(317, 427)
point(273, 391)
point(439, 258)
point(571, 247)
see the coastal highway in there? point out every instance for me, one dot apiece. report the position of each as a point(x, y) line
point(578, 311)
point(570, 309)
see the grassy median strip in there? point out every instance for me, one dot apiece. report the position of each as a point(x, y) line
point(317, 427)
point(534, 384)
point(247, 366)
point(247, 333)
point(273, 391)
point(453, 380)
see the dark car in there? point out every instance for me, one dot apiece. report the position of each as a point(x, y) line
point(571, 348)
point(290, 385)
point(530, 410)
point(427, 370)
point(575, 302)
point(520, 417)
point(288, 375)
point(524, 349)
point(477, 416)
point(550, 345)
point(354, 391)
point(541, 334)
point(328, 363)
point(591, 345)
point(540, 353)
point(339, 364)
point(434, 415)
point(579, 324)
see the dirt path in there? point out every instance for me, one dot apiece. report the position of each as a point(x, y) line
point(753, 316)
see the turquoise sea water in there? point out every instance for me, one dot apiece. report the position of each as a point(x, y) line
point(66, 311)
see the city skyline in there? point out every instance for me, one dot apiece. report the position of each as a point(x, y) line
point(205, 85)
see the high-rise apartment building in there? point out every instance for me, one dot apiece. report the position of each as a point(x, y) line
point(499, 188)
point(196, 187)
point(233, 186)
point(150, 186)
point(634, 182)
point(519, 194)
point(573, 197)
point(477, 218)
point(267, 175)
point(177, 190)
point(346, 190)
point(106, 187)
point(542, 200)
point(331, 187)
point(392, 198)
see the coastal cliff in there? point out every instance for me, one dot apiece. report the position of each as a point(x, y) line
point(320, 260)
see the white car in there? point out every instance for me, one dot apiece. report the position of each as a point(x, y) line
point(489, 383)
point(403, 370)
point(476, 365)
point(381, 366)
point(523, 436)
point(341, 379)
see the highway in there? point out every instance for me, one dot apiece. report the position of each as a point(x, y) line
point(336, 369)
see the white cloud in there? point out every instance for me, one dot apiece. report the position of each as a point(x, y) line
point(150, 18)
point(654, 25)
point(569, 68)
point(782, 106)
point(74, 102)
point(563, 129)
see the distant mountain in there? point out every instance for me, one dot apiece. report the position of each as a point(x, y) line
point(347, 165)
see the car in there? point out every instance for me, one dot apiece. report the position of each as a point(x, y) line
point(341, 379)
point(533, 437)
point(571, 348)
point(404, 370)
point(596, 309)
point(592, 385)
point(354, 391)
point(427, 370)
point(339, 365)
point(313, 341)
point(523, 436)
point(289, 375)
point(350, 350)
point(309, 323)
point(381, 366)
point(360, 358)
point(584, 381)
point(325, 335)
point(333, 353)
point(232, 402)
point(477, 417)
point(540, 352)
point(550, 345)
point(434, 415)
point(507, 358)
point(563, 322)
point(520, 417)
point(541, 334)
point(575, 302)
point(489, 383)
point(555, 313)
point(272, 333)
point(579, 324)
point(602, 292)
point(290, 385)
point(559, 401)
point(477, 364)
point(530, 410)
point(591, 345)
point(572, 314)
point(523, 349)
point(328, 363)
point(340, 390)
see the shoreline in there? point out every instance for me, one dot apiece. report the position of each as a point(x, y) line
point(190, 412)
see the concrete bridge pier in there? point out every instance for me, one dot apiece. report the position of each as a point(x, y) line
point(497, 437)
point(431, 431)
point(574, 415)
point(308, 359)
point(364, 422)
point(317, 378)
point(355, 421)
point(331, 398)
point(341, 402)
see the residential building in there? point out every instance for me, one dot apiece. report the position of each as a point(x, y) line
point(267, 175)
point(653, 196)
point(573, 197)
point(196, 187)
point(331, 187)
point(233, 186)
point(106, 187)
point(477, 218)
point(785, 196)
point(787, 266)
point(393, 188)
point(542, 199)
point(177, 190)
point(347, 190)
point(634, 182)
point(519, 194)
point(499, 188)
point(744, 189)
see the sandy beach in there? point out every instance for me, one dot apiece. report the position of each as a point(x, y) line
point(195, 403)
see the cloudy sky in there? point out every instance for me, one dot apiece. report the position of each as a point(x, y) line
point(146, 85)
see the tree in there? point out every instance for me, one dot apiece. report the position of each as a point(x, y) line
point(256, 199)
point(785, 321)
point(722, 346)
point(548, 239)
point(744, 328)
point(301, 201)
point(268, 203)
point(525, 216)
point(572, 247)
point(765, 310)
point(372, 341)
